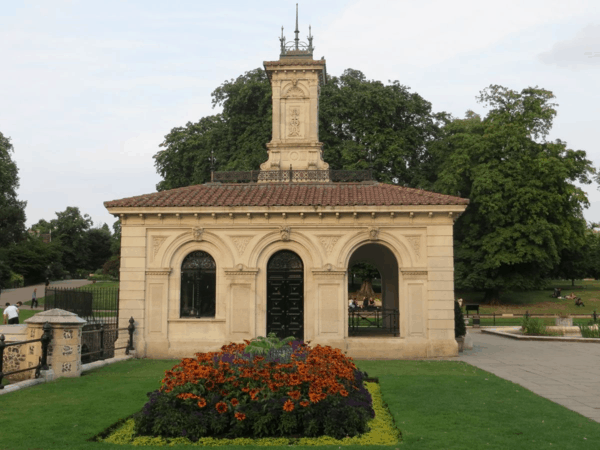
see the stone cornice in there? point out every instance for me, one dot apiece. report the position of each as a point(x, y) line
point(328, 271)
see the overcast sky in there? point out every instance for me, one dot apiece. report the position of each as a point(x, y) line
point(89, 89)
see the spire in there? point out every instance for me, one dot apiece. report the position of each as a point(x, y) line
point(296, 40)
point(297, 49)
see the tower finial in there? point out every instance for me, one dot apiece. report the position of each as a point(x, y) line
point(296, 32)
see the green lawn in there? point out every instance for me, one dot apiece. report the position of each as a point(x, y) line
point(541, 302)
point(436, 405)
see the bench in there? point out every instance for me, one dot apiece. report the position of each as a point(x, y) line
point(472, 308)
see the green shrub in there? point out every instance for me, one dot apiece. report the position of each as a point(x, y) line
point(533, 326)
point(459, 321)
point(589, 331)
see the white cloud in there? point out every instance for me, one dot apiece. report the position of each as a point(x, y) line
point(582, 51)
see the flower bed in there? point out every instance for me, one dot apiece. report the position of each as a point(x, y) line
point(313, 392)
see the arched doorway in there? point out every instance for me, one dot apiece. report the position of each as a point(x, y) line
point(384, 319)
point(285, 295)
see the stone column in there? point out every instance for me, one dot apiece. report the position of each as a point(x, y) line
point(64, 352)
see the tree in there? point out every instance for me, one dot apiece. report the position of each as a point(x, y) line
point(366, 272)
point(33, 258)
point(236, 138)
point(524, 206)
point(99, 242)
point(363, 124)
point(12, 211)
point(71, 231)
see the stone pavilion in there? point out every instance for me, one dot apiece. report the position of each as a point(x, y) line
point(224, 261)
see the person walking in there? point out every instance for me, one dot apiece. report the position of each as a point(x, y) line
point(34, 298)
point(11, 313)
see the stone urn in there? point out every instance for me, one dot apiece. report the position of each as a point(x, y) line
point(563, 321)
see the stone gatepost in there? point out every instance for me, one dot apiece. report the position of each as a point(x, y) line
point(64, 351)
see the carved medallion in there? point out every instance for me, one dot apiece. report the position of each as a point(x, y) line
point(240, 243)
point(328, 242)
point(373, 233)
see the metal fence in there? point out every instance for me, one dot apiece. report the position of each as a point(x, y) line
point(92, 303)
point(516, 319)
point(98, 341)
point(100, 307)
point(373, 321)
point(43, 361)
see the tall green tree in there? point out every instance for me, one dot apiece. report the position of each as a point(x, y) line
point(364, 124)
point(12, 210)
point(99, 242)
point(525, 208)
point(71, 229)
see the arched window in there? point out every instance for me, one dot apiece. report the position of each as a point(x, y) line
point(198, 281)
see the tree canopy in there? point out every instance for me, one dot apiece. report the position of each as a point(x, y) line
point(363, 124)
point(525, 208)
point(12, 210)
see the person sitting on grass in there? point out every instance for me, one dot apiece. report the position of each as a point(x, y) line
point(578, 302)
point(572, 296)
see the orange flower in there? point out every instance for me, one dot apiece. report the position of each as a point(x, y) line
point(240, 416)
point(221, 407)
point(201, 403)
point(344, 393)
point(209, 384)
point(304, 403)
point(288, 406)
point(254, 393)
point(234, 402)
point(294, 394)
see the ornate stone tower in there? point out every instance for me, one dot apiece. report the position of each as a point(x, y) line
point(295, 79)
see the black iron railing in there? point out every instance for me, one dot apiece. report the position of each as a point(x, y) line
point(495, 319)
point(43, 361)
point(98, 341)
point(373, 321)
point(93, 303)
point(292, 176)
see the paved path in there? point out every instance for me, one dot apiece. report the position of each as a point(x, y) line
point(12, 296)
point(564, 372)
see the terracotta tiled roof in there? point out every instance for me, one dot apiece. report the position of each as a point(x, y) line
point(286, 194)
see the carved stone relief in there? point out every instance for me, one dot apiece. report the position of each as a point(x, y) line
point(285, 233)
point(197, 233)
point(157, 241)
point(373, 233)
point(328, 242)
point(241, 242)
point(415, 242)
point(294, 122)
